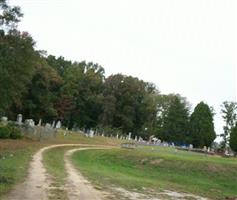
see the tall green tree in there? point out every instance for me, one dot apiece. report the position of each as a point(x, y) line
point(176, 122)
point(233, 139)
point(129, 104)
point(82, 88)
point(59, 64)
point(17, 61)
point(229, 115)
point(42, 93)
point(202, 131)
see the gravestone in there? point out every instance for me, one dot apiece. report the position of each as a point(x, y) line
point(19, 119)
point(208, 149)
point(91, 134)
point(40, 122)
point(129, 136)
point(58, 125)
point(53, 124)
point(30, 122)
point(190, 146)
point(47, 125)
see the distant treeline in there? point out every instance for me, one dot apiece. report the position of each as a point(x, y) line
point(46, 87)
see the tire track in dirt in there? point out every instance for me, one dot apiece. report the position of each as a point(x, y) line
point(37, 184)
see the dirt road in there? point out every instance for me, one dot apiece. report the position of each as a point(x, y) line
point(37, 183)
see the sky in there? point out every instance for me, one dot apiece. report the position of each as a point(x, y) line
point(182, 46)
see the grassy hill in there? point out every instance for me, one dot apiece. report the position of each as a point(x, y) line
point(160, 168)
point(144, 169)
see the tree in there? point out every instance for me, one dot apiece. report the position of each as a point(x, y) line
point(163, 102)
point(40, 99)
point(59, 64)
point(129, 104)
point(82, 88)
point(229, 115)
point(17, 61)
point(233, 139)
point(176, 122)
point(202, 131)
point(9, 16)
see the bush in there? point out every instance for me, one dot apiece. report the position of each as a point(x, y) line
point(4, 132)
point(15, 132)
point(10, 131)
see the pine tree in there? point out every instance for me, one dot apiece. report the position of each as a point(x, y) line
point(202, 131)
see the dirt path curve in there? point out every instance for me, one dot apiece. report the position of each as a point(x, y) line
point(37, 182)
point(77, 186)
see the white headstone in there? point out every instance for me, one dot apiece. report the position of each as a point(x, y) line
point(40, 122)
point(19, 119)
point(58, 125)
point(53, 124)
point(129, 136)
point(29, 122)
point(91, 134)
point(47, 125)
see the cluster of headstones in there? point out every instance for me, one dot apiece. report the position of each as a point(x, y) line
point(31, 122)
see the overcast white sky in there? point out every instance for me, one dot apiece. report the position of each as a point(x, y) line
point(183, 46)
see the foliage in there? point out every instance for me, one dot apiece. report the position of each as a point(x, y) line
point(4, 132)
point(202, 131)
point(83, 83)
point(230, 117)
point(233, 139)
point(17, 59)
point(10, 131)
point(40, 99)
point(128, 104)
point(176, 122)
point(9, 16)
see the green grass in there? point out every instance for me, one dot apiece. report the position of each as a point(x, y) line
point(161, 168)
point(13, 167)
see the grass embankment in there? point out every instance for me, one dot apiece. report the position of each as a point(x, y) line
point(160, 168)
point(15, 156)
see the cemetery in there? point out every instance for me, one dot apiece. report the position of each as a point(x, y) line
point(159, 123)
point(133, 167)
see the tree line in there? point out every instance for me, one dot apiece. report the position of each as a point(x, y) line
point(46, 87)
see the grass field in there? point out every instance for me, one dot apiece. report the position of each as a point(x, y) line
point(15, 156)
point(160, 168)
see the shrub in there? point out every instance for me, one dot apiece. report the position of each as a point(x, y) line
point(15, 132)
point(4, 132)
point(10, 131)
